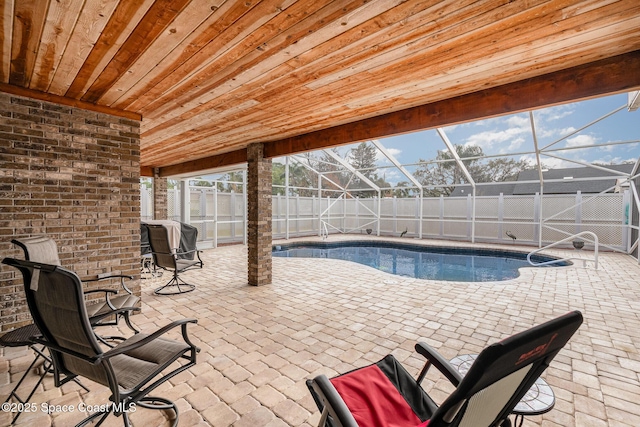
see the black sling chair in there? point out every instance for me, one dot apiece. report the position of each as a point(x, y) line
point(129, 370)
point(102, 312)
point(385, 394)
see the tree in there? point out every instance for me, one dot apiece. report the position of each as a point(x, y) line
point(301, 179)
point(363, 159)
point(443, 173)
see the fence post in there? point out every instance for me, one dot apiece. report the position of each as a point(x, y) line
point(500, 216)
point(578, 211)
point(441, 215)
point(626, 230)
point(215, 216)
point(395, 215)
point(185, 210)
point(297, 215)
point(469, 217)
point(232, 206)
point(203, 212)
point(537, 227)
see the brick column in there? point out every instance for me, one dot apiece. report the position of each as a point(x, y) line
point(258, 216)
point(160, 207)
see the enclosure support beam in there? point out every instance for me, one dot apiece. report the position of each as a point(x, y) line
point(467, 175)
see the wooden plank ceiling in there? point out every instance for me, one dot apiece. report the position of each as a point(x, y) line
point(209, 77)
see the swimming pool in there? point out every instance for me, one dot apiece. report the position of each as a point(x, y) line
point(423, 262)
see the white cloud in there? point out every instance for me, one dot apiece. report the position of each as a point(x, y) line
point(582, 140)
point(554, 113)
point(490, 139)
point(515, 145)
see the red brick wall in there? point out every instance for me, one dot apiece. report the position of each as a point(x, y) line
point(73, 175)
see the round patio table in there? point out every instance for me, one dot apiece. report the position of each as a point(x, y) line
point(539, 399)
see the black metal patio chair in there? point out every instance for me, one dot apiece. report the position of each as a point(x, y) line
point(385, 394)
point(170, 259)
point(102, 312)
point(131, 370)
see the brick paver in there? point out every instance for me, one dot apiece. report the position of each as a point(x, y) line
point(259, 344)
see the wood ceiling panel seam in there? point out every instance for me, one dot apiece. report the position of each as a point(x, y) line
point(159, 16)
point(199, 72)
point(294, 118)
point(205, 91)
point(232, 68)
point(210, 40)
point(6, 31)
point(91, 22)
point(61, 20)
point(197, 104)
point(28, 24)
point(201, 135)
point(394, 33)
point(123, 20)
point(170, 149)
point(463, 37)
point(181, 128)
point(200, 104)
point(206, 106)
point(471, 89)
point(278, 89)
point(327, 93)
point(196, 41)
point(170, 41)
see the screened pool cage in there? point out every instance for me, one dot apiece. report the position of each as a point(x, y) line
point(451, 197)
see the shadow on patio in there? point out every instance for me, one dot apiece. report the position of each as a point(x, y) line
point(326, 316)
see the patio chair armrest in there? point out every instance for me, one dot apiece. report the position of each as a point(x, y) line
point(436, 359)
point(331, 398)
point(125, 348)
point(108, 276)
point(114, 311)
point(50, 345)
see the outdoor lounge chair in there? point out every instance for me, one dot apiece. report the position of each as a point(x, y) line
point(385, 394)
point(169, 258)
point(102, 312)
point(131, 370)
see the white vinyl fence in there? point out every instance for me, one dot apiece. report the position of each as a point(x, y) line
point(220, 216)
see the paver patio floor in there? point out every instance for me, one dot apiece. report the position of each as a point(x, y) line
point(260, 344)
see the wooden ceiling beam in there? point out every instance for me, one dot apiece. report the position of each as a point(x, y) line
point(612, 75)
point(608, 76)
point(208, 163)
point(71, 102)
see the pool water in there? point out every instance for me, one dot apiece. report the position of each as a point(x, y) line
point(436, 263)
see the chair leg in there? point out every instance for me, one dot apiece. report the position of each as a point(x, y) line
point(14, 392)
point(151, 402)
point(181, 286)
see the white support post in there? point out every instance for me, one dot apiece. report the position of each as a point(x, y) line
point(395, 215)
point(421, 214)
point(441, 215)
point(379, 200)
point(500, 216)
point(244, 214)
point(319, 205)
point(286, 200)
point(578, 212)
point(215, 216)
point(185, 208)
